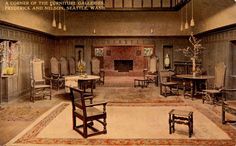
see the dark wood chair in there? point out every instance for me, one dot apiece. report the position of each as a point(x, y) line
point(97, 70)
point(151, 72)
point(170, 87)
point(87, 112)
point(39, 88)
point(57, 80)
point(215, 94)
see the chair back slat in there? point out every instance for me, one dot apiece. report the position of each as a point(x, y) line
point(220, 71)
point(78, 101)
point(95, 63)
point(55, 66)
point(165, 76)
point(37, 72)
point(152, 64)
point(64, 66)
point(72, 66)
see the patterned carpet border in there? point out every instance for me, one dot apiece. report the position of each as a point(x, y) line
point(30, 136)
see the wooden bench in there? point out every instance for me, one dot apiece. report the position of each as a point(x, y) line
point(180, 117)
point(140, 83)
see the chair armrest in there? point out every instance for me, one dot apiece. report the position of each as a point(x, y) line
point(97, 104)
point(47, 78)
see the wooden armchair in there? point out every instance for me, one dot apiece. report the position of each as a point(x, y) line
point(96, 69)
point(87, 112)
point(216, 92)
point(151, 72)
point(38, 80)
point(170, 87)
point(57, 80)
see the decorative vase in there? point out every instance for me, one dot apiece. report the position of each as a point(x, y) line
point(194, 66)
point(10, 70)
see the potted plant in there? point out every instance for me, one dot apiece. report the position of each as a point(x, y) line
point(193, 52)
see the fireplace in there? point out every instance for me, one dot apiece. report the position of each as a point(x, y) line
point(123, 65)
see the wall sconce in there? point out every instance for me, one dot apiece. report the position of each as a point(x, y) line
point(94, 31)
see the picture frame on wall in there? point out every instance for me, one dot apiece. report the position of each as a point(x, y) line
point(98, 52)
point(148, 51)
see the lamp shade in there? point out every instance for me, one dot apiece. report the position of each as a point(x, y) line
point(192, 23)
point(59, 25)
point(54, 24)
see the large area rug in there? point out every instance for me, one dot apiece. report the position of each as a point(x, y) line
point(127, 125)
point(133, 96)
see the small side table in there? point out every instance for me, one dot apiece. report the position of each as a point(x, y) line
point(140, 83)
point(180, 117)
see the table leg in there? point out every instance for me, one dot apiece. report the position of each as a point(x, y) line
point(192, 89)
point(170, 125)
point(223, 113)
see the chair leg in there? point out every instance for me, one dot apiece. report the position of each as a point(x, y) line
point(74, 121)
point(105, 125)
point(165, 92)
point(50, 94)
point(85, 129)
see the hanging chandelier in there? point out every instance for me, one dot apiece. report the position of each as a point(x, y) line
point(186, 26)
point(192, 23)
point(54, 21)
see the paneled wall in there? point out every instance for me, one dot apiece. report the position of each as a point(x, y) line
point(31, 44)
point(220, 47)
point(65, 46)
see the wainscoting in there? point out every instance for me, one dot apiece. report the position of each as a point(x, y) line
point(31, 44)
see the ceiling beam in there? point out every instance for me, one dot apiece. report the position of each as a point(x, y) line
point(174, 5)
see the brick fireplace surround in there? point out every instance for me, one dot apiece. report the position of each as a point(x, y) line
point(134, 53)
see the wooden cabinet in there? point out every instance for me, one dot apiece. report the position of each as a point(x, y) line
point(182, 67)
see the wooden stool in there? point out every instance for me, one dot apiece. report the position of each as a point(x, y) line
point(180, 117)
point(140, 83)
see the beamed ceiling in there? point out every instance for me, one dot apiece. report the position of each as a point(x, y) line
point(126, 5)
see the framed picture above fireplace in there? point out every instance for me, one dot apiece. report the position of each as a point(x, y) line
point(98, 52)
point(148, 51)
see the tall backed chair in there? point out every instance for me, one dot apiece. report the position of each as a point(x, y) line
point(57, 80)
point(87, 112)
point(38, 80)
point(216, 92)
point(64, 68)
point(167, 86)
point(72, 66)
point(151, 72)
point(96, 69)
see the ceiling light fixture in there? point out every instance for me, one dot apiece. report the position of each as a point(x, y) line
point(59, 24)
point(181, 23)
point(192, 23)
point(54, 23)
point(186, 26)
point(64, 26)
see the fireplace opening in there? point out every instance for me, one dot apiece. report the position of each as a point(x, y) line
point(123, 65)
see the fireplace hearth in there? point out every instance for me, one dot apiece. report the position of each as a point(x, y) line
point(123, 65)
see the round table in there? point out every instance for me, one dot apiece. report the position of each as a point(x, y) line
point(78, 80)
point(194, 81)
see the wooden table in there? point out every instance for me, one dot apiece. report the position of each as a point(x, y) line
point(78, 80)
point(194, 80)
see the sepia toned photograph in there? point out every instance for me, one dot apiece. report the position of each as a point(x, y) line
point(117, 72)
